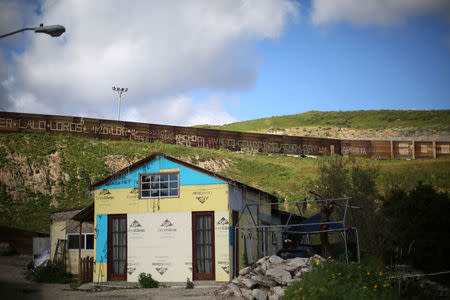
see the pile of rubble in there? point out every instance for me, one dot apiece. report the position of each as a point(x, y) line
point(269, 277)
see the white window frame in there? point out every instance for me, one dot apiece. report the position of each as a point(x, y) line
point(141, 183)
point(84, 237)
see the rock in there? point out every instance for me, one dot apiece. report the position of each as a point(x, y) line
point(248, 282)
point(275, 259)
point(259, 294)
point(235, 289)
point(247, 293)
point(298, 262)
point(262, 260)
point(279, 275)
point(264, 280)
point(236, 280)
point(245, 271)
point(278, 292)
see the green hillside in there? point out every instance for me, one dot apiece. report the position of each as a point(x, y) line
point(362, 119)
point(40, 173)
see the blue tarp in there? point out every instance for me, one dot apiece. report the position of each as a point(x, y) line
point(309, 225)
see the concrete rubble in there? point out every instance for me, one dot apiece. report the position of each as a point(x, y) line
point(269, 277)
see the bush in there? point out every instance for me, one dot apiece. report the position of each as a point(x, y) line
point(336, 280)
point(51, 273)
point(189, 284)
point(146, 281)
point(420, 227)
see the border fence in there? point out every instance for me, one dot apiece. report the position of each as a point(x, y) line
point(215, 139)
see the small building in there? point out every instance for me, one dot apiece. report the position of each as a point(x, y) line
point(175, 220)
point(67, 230)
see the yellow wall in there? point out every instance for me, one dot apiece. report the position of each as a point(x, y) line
point(124, 201)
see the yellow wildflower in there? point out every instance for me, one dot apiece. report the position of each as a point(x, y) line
point(368, 273)
point(364, 287)
point(339, 274)
point(381, 273)
point(300, 289)
point(317, 262)
point(375, 286)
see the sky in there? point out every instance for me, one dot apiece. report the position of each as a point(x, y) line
point(216, 62)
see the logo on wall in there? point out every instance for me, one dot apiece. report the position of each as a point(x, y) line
point(135, 224)
point(130, 270)
point(202, 199)
point(161, 270)
point(223, 221)
point(166, 223)
point(226, 269)
point(105, 192)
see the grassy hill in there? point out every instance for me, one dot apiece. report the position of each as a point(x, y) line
point(362, 119)
point(39, 173)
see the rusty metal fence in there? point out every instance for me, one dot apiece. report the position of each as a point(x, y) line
point(215, 139)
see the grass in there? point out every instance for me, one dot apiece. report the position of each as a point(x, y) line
point(41, 172)
point(362, 119)
point(335, 280)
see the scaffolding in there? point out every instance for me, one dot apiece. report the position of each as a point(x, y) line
point(305, 209)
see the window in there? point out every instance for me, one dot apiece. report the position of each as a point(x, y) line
point(86, 239)
point(159, 185)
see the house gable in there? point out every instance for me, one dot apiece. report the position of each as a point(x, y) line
point(188, 176)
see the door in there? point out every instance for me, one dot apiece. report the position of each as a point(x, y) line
point(117, 247)
point(235, 218)
point(203, 245)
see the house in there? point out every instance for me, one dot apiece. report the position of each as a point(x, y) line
point(65, 229)
point(175, 220)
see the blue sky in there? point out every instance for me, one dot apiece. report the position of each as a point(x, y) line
point(227, 61)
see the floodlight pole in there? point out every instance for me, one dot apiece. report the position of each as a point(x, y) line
point(119, 95)
point(53, 30)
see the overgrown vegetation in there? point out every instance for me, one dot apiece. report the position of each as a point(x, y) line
point(418, 222)
point(146, 281)
point(189, 284)
point(51, 273)
point(351, 119)
point(336, 280)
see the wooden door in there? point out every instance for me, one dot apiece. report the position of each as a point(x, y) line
point(203, 246)
point(117, 247)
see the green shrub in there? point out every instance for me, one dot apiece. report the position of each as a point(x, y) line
point(51, 273)
point(336, 280)
point(189, 284)
point(146, 281)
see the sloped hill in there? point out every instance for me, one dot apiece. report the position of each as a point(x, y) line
point(39, 173)
point(352, 124)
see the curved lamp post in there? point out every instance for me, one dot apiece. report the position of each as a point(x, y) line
point(53, 30)
point(119, 93)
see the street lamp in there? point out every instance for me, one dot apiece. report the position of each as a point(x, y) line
point(119, 93)
point(53, 30)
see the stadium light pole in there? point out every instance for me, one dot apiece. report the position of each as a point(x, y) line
point(53, 30)
point(119, 94)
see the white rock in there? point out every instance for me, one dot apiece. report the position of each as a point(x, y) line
point(279, 275)
point(248, 282)
point(298, 262)
point(235, 289)
point(278, 291)
point(275, 259)
point(236, 280)
point(259, 294)
point(263, 280)
point(245, 271)
point(262, 260)
point(247, 293)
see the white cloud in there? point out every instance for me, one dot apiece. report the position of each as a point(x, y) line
point(158, 49)
point(375, 12)
point(181, 110)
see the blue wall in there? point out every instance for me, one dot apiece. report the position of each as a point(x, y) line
point(187, 175)
point(102, 238)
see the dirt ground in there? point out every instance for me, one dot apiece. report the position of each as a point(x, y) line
point(13, 285)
